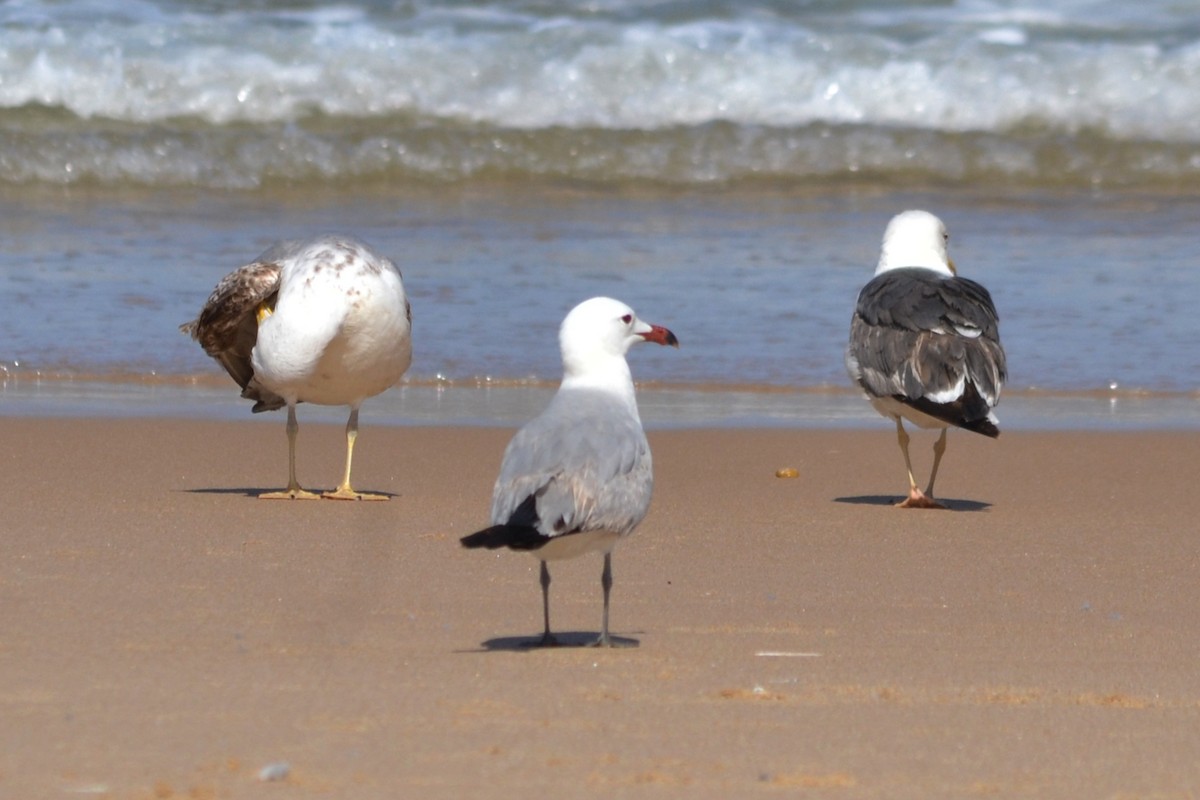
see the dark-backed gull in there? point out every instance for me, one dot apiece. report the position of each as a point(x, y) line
point(924, 343)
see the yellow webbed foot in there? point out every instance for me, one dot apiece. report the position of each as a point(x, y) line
point(293, 493)
point(346, 493)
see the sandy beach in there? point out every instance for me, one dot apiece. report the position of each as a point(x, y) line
point(165, 634)
point(726, 169)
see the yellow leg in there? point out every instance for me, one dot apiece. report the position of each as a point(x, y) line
point(916, 498)
point(344, 492)
point(939, 449)
point(293, 490)
point(902, 438)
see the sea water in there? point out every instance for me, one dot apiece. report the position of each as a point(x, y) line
point(726, 168)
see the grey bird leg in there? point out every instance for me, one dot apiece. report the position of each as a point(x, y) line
point(606, 581)
point(547, 639)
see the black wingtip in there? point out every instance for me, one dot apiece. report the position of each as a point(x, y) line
point(514, 537)
point(492, 538)
point(519, 533)
point(984, 426)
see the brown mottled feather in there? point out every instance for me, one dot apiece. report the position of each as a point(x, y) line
point(227, 327)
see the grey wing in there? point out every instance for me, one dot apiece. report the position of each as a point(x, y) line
point(587, 467)
point(227, 327)
point(915, 334)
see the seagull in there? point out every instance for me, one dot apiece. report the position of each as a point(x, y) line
point(925, 343)
point(322, 321)
point(577, 478)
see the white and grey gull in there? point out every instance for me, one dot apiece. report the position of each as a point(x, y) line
point(925, 343)
point(323, 321)
point(578, 477)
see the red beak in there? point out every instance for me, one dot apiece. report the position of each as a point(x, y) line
point(660, 335)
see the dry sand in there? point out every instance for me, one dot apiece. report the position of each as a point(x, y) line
point(164, 634)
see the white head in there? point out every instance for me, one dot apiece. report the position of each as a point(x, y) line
point(598, 332)
point(915, 239)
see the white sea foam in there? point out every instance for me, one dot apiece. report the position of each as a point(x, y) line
point(144, 61)
point(510, 68)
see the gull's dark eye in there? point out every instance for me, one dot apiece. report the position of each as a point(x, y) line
point(628, 318)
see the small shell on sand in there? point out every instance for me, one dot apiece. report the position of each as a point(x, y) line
point(277, 771)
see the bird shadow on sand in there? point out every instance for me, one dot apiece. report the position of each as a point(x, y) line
point(892, 500)
point(247, 492)
point(570, 640)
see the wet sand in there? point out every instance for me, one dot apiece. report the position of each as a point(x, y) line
point(167, 635)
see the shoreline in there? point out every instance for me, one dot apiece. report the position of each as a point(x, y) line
point(433, 403)
point(168, 635)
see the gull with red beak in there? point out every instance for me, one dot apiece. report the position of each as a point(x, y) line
point(577, 478)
